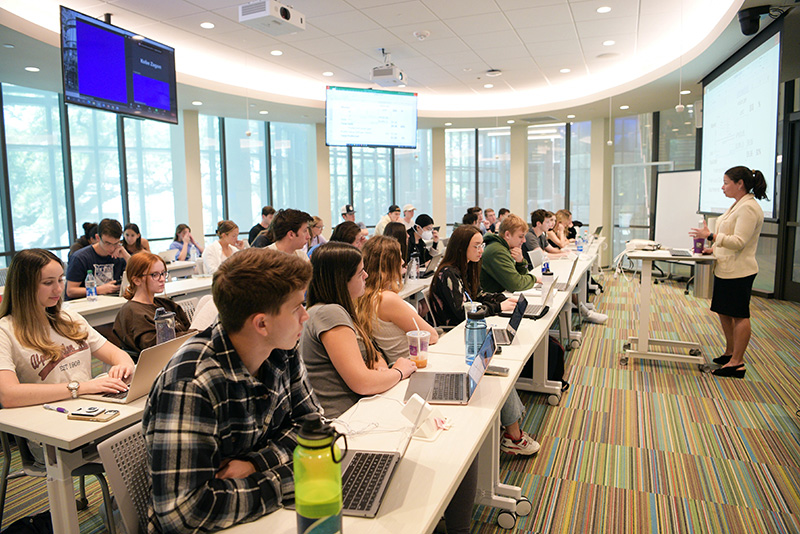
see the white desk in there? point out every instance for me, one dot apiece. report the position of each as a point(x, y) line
point(639, 347)
point(180, 269)
point(412, 287)
point(65, 443)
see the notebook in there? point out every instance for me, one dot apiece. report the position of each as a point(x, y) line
point(504, 336)
point(563, 286)
point(366, 474)
point(151, 362)
point(454, 388)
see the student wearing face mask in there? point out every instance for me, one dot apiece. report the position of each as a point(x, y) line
point(419, 235)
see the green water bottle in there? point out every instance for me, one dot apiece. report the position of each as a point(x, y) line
point(318, 478)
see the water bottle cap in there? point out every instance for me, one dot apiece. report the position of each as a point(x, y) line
point(477, 313)
point(314, 429)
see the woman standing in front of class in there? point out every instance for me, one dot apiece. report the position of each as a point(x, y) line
point(734, 244)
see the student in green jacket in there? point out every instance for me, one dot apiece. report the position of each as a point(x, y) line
point(504, 268)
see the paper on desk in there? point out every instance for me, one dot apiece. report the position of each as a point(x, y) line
point(375, 424)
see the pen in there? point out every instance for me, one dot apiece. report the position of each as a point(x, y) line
point(58, 409)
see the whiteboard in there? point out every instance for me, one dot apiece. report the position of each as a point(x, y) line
point(677, 199)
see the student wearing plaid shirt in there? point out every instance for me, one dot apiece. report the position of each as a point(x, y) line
point(221, 421)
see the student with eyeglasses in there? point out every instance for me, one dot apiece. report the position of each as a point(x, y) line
point(106, 259)
point(135, 325)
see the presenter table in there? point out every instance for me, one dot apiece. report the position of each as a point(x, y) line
point(639, 347)
point(67, 445)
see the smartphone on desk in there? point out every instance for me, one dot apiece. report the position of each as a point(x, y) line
point(496, 370)
point(93, 413)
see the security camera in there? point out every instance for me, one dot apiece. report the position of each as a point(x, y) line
point(749, 19)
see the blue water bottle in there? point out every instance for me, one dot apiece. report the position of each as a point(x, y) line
point(545, 265)
point(475, 331)
point(579, 243)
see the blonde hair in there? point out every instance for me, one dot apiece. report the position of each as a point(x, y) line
point(512, 223)
point(31, 321)
point(225, 226)
point(382, 261)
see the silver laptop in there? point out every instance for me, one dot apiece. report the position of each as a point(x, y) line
point(536, 311)
point(682, 252)
point(366, 474)
point(563, 286)
point(454, 388)
point(432, 266)
point(151, 362)
point(504, 336)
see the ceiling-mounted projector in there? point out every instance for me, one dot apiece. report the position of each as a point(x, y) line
point(388, 75)
point(272, 17)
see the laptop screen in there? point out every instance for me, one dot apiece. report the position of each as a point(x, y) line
point(481, 362)
point(516, 317)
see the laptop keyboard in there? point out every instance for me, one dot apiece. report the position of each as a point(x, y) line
point(448, 386)
point(117, 395)
point(681, 252)
point(534, 309)
point(363, 478)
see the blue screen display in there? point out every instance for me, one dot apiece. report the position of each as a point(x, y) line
point(99, 74)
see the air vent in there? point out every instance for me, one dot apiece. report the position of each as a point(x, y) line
point(254, 8)
point(540, 120)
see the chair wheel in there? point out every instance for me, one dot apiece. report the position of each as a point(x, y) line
point(82, 504)
point(506, 520)
point(623, 360)
point(574, 344)
point(695, 352)
point(524, 507)
point(626, 346)
point(552, 400)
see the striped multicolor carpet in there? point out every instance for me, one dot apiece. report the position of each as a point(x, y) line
point(662, 447)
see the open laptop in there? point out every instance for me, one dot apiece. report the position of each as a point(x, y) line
point(682, 252)
point(432, 266)
point(597, 231)
point(534, 311)
point(504, 336)
point(563, 286)
point(366, 474)
point(151, 362)
point(454, 388)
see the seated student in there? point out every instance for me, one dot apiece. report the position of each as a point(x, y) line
point(224, 247)
point(184, 243)
point(536, 237)
point(398, 231)
point(350, 233)
point(418, 236)
point(387, 317)
point(222, 419)
point(267, 213)
point(133, 240)
point(135, 325)
point(393, 215)
point(290, 232)
point(342, 367)
point(315, 237)
point(106, 259)
point(470, 218)
point(46, 352)
point(478, 211)
point(504, 268)
point(489, 221)
point(89, 237)
point(457, 277)
point(558, 234)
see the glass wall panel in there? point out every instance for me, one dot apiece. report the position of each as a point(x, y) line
point(246, 170)
point(95, 164)
point(459, 172)
point(547, 171)
point(767, 258)
point(293, 158)
point(414, 176)
point(372, 183)
point(151, 183)
point(494, 168)
point(340, 183)
point(35, 167)
point(210, 173)
point(580, 165)
point(676, 138)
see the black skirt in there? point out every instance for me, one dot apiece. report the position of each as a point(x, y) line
point(732, 296)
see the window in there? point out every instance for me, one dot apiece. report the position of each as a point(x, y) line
point(211, 174)
point(35, 167)
point(151, 182)
point(494, 167)
point(676, 138)
point(95, 164)
point(413, 174)
point(246, 171)
point(547, 171)
point(372, 183)
point(459, 172)
point(580, 161)
point(340, 182)
point(293, 159)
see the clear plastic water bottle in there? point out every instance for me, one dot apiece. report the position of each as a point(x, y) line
point(475, 331)
point(165, 325)
point(192, 253)
point(413, 267)
point(317, 478)
point(91, 287)
point(579, 244)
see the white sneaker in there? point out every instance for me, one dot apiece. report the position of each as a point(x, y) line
point(589, 306)
point(595, 317)
point(524, 446)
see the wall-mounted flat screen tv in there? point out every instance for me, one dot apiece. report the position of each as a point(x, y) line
point(365, 117)
point(113, 69)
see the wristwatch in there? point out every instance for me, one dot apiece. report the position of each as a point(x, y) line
point(73, 388)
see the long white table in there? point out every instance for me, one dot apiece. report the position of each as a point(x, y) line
point(180, 269)
point(67, 445)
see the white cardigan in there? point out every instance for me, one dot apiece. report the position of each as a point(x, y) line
point(736, 239)
point(212, 256)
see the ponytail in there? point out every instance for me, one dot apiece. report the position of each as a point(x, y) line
point(759, 188)
point(754, 181)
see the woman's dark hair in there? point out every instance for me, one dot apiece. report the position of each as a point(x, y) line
point(455, 255)
point(754, 181)
point(89, 230)
point(398, 231)
point(179, 229)
point(135, 228)
point(346, 232)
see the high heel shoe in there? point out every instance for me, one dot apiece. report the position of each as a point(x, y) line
point(735, 371)
point(722, 360)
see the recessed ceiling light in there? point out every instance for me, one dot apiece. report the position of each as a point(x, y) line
point(493, 73)
point(466, 69)
point(138, 37)
point(674, 129)
point(604, 9)
point(327, 73)
point(510, 121)
point(32, 69)
point(197, 103)
point(688, 122)
point(401, 85)
point(689, 105)
point(565, 71)
point(609, 43)
point(263, 112)
point(624, 107)
point(8, 45)
point(448, 124)
point(570, 116)
point(488, 85)
point(207, 25)
point(277, 52)
point(686, 92)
